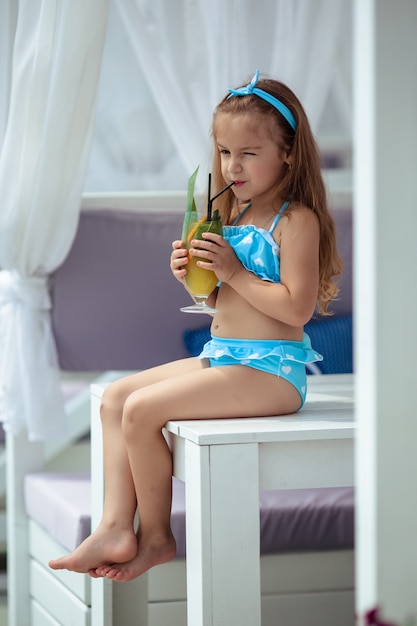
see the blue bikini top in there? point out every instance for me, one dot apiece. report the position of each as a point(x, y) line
point(255, 247)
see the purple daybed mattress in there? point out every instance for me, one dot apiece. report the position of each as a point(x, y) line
point(291, 520)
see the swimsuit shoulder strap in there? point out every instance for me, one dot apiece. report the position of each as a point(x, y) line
point(278, 216)
point(242, 213)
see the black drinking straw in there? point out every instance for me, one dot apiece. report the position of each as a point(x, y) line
point(210, 200)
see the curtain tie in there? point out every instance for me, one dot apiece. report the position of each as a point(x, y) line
point(29, 291)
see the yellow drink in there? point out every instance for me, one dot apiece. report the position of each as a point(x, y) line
point(201, 282)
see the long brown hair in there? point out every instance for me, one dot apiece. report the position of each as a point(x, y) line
point(302, 182)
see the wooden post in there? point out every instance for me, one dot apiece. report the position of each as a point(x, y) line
point(385, 237)
point(23, 456)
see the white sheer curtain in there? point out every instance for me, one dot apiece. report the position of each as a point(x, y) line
point(7, 32)
point(131, 148)
point(56, 63)
point(184, 55)
point(307, 53)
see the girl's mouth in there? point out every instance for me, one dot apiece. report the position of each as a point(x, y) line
point(239, 183)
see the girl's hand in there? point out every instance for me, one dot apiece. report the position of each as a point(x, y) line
point(214, 253)
point(179, 260)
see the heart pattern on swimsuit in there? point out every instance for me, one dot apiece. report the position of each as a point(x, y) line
point(286, 369)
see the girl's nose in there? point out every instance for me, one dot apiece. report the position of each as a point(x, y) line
point(234, 165)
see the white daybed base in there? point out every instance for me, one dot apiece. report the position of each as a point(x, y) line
point(314, 588)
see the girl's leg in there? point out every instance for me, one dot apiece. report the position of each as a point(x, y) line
point(114, 540)
point(219, 392)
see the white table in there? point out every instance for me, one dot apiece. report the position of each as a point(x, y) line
point(225, 463)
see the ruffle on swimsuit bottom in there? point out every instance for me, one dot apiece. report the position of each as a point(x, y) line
point(247, 350)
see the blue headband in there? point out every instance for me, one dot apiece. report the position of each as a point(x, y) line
point(277, 104)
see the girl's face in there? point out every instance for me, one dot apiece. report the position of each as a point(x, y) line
point(249, 156)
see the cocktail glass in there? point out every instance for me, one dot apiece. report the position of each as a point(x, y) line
point(200, 282)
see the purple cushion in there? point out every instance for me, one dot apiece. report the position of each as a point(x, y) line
point(116, 304)
point(60, 502)
point(294, 520)
point(291, 520)
point(301, 520)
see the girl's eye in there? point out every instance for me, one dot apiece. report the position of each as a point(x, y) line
point(250, 153)
point(224, 151)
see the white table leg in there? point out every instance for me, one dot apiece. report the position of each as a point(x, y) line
point(101, 588)
point(222, 512)
point(198, 535)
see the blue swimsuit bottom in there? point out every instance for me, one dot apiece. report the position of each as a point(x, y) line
point(286, 359)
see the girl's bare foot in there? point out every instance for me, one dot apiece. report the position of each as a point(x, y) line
point(148, 555)
point(103, 546)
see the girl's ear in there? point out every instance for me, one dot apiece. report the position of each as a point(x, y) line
point(288, 157)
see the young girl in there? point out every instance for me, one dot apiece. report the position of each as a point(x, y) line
point(274, 264)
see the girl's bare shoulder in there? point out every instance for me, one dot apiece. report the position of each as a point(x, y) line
point(300, 211)
point(298, 218)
